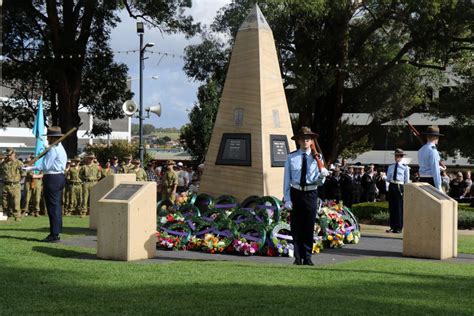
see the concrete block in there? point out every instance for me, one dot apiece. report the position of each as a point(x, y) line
point(126, 228)
point(430, 221)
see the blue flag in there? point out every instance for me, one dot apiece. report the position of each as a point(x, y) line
point(39, 131)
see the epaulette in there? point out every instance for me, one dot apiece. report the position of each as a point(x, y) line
point(433, 147)
point(294, 151)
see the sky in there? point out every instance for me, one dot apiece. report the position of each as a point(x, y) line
point(172, 89)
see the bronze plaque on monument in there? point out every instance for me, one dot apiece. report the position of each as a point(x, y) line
point(234, 150)
point(123, 192)
point(279, 150)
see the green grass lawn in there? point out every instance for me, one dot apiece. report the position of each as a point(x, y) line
point(51, 278)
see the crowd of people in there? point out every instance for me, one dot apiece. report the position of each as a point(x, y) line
point(354, 184)
point(22, 190)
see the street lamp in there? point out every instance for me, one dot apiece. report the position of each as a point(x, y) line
point(140, 31)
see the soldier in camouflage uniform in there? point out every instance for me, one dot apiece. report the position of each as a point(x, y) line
point(12, 175)
point(139, 171)
point(75, 188)
point(169, 183)
point(127, 166)
point(89, 174)
point(33, 191)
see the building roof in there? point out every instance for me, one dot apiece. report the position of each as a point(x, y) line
point(419, 119)
point(385, 157)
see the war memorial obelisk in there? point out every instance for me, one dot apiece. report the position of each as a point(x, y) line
point(251, 136)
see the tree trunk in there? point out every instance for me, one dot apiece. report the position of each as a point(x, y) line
point(68, 104)
point(328, 114)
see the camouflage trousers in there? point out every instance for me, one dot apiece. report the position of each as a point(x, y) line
point(33, 197)
point(86, 192)
point(74, 199)
point(11, 195)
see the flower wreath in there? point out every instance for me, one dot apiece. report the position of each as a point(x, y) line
point(254, 232)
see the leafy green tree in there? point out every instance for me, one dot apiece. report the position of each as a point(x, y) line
point(61, 49)
point(374, 56)
point(197, 134)
point(458, 102)
point(148, 129)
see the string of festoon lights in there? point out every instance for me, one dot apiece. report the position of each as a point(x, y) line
point(433, 63)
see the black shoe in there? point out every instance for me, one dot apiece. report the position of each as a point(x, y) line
point(297, 262)
point(308, 262)
point(397, 231)
point(389, 230)
point(51, 238)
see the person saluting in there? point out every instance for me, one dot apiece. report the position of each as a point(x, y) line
point(304, 172)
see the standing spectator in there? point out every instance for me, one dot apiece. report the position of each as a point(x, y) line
point(380, 182)
point(169, 183)
point(467, 183)
point(127, 166)
point(445, 181)
point(457, 186)
point(150, 172)
point(139, 172)
point(333, 186)
point(182, 178)
point(114, 164)
point(107, 170)
point(398, 175)
point(357, 184)
point(347, 182)
point(369, 187)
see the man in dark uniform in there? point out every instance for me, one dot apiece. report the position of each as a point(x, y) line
point(357, 184)
point(369, 187)
point(304, 172)
point(398, 174)
point(333, 185)
point(347, 182)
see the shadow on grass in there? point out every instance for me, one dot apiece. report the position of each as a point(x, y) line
point(142, 290)
point(66, 230)
point(63, 253)
point(20, 238)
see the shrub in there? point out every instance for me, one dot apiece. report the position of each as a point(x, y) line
point(366, 211)
point(465, 219)
point(119, 148)
point(382, 218)
point(378, 214)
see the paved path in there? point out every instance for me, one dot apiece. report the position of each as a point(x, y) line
point(370, 245)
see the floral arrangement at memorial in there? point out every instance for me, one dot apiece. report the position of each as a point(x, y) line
point(256, 226)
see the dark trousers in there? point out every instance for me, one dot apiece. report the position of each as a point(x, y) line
point(53, 185)
point(303, 217)
point(395, 206)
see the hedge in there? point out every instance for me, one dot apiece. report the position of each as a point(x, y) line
point(377, 214)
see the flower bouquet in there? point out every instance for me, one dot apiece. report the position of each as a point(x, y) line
point(210, 243)
point(167, 241)
point(243, 247)
point(171, 218)
point(283, 248)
